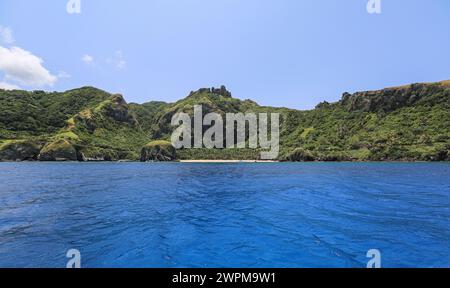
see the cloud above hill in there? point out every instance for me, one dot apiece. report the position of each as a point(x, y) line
point(19, 67)
point(22, 67)
point(87, 59)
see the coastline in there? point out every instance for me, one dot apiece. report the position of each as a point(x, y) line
point(225, 161)
point(228, 161)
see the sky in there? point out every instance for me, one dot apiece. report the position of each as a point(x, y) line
point(291, 53)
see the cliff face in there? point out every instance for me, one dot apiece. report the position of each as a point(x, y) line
point(390, 99)
point(402, 123)
point(20, 151)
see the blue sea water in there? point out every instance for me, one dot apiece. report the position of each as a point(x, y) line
point(225, 215)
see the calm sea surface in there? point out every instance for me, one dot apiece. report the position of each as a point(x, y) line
point(224, 215)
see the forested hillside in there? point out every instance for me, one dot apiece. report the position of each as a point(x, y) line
point(401, 123)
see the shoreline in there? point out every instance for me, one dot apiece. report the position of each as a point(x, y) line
point(228, 161)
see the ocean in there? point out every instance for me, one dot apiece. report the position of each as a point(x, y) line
point(192, 215)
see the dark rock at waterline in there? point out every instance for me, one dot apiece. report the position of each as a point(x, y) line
point(300, 155)
point(158, 151)
point(60, 150)
point(20, 151)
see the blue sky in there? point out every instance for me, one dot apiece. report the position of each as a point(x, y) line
point(293, 53)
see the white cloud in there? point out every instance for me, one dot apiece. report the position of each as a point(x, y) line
point(118, 61)
point(6, 35)
point(63, 75)
point(88, 59)
point(24, 68)
point(8, 86)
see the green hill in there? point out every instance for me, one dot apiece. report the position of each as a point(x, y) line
point(87, 124)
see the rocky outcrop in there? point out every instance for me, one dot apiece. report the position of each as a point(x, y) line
point(60, 150)
point(117, 108)
point(222, 91)
point(300, 155)
point(20, 151)
point(158, 151)
point(95, 154)
point(390, 99)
